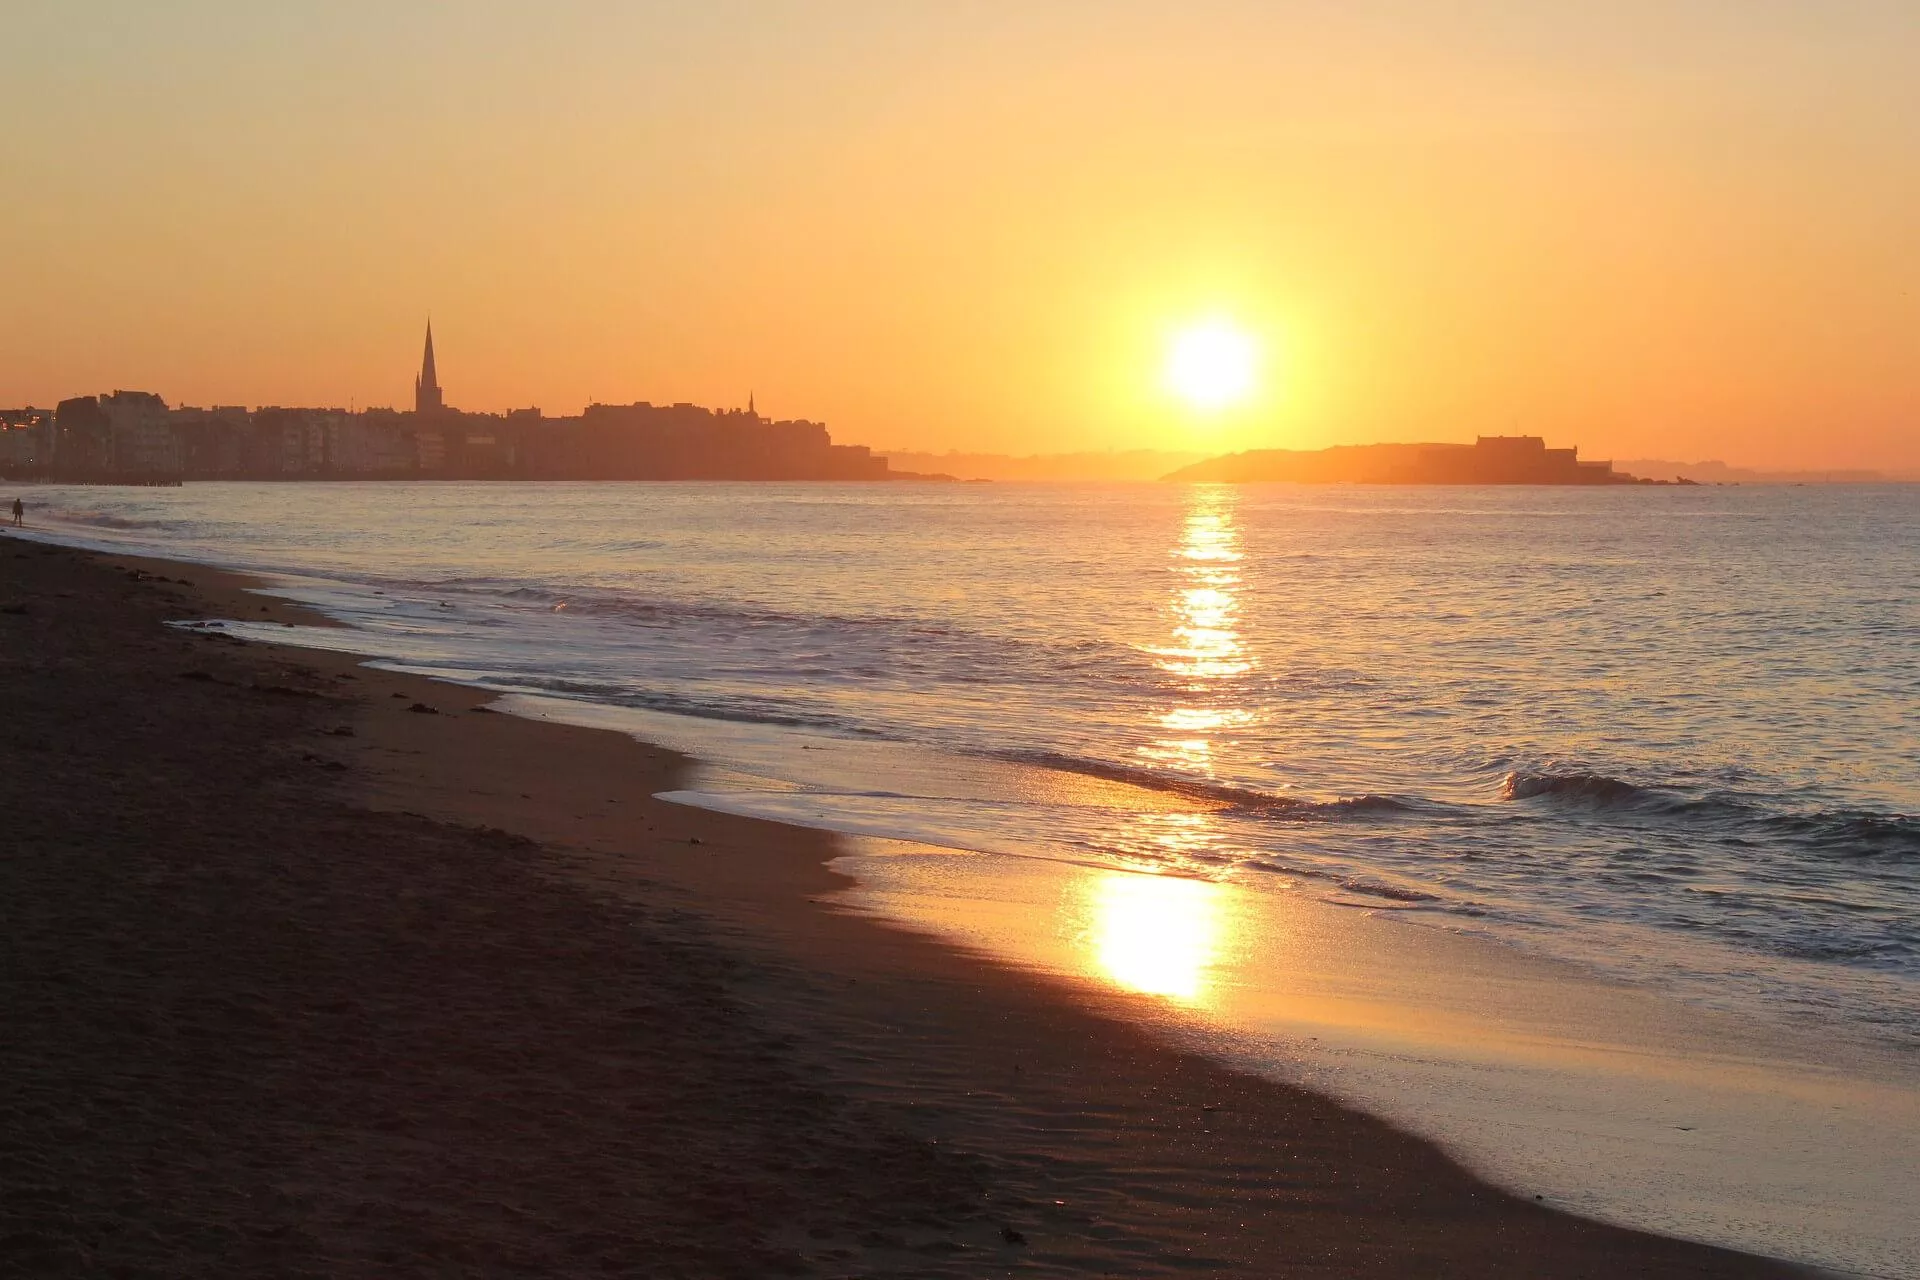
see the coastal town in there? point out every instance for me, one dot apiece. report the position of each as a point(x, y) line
point(136, 437)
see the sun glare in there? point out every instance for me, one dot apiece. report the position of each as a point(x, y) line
point(1212, 366)
point(1158, 935)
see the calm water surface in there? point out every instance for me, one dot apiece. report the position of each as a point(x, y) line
point(1672, 735)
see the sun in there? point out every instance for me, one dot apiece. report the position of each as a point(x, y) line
point(1212, 365)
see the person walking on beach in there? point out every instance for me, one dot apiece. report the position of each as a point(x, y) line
point(19, 513)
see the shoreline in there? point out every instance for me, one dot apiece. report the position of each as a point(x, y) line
point(1026, 1107)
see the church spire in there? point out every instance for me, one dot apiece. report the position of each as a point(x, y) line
point(427, 397)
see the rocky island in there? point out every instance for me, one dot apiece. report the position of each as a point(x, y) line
point(1488, 460)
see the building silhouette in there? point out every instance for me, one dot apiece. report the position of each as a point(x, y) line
point(427, 396)
point(135, 437)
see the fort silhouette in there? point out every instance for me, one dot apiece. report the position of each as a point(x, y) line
point(1489, 460)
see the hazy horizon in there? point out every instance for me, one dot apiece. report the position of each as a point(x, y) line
point(1657, 231)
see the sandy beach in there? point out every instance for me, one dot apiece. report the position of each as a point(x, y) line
point(312, 969)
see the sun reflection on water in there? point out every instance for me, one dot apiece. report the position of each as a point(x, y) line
point(1207, 652)
point(1157, 935)
point(1163, 935)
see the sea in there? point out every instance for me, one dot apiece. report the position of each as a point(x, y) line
point(1667, 736)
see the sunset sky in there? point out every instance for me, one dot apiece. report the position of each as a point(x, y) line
point(1667, 228)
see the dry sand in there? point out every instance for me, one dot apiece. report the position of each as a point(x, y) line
point(299, 979)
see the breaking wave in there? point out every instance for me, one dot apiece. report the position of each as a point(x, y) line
point(1843, 832)
point(1595, 789)
point(108, 520)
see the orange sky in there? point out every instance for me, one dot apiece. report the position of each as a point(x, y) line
point(1680, 229)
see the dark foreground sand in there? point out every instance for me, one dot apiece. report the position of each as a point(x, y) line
point(298, 980)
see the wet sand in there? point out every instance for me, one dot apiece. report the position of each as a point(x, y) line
point(316, 970)
point(1610, 1100)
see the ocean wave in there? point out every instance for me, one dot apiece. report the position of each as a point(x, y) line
point(1365, 805)
point(1596, 789)
point(1890, 953)
point(598, 601)
point(1737, 820)
point(1239, 801)
point(1851, 833)
point(1338, 881)
point(744, 712)
point(1373, 888)
point(107, 520)
point(1578, 789)
point(854, 645)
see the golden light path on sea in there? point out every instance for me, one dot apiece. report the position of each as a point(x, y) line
point(1164, 934)
point(1206, 651)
